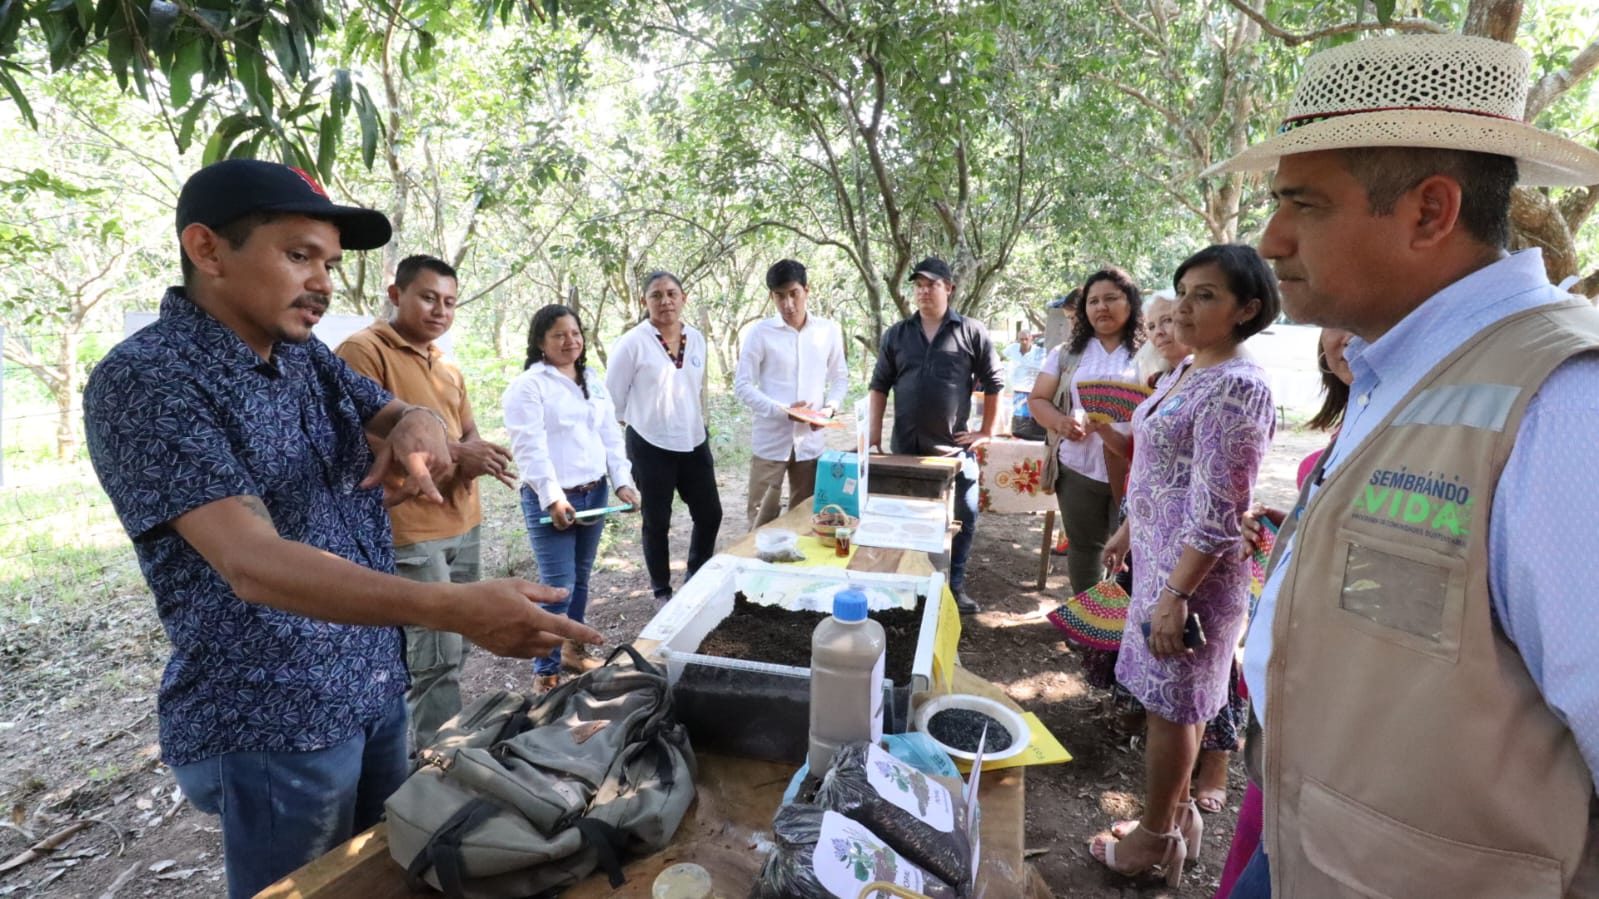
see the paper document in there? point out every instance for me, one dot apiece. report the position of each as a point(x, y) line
point(921, 525)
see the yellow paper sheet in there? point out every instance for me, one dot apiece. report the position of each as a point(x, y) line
point(818, 553)
point(946, 643)
point(1043, 750)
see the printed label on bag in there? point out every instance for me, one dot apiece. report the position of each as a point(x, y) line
point(848, 856)
point(920, 796)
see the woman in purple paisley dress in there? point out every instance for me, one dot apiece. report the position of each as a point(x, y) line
point(1200, 440)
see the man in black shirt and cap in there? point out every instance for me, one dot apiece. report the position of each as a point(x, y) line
point(933, 360)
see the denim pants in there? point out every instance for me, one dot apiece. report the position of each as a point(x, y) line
point(282, 809)
point(1255, 882)
point(966, 499)
point(565, 558)
point(435, 657)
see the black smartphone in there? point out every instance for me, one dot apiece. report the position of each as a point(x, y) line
point(1193, 633)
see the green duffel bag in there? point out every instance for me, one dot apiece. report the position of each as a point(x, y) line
point(517, 797)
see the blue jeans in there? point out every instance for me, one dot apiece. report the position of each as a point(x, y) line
point(966, 497)
point(1255, 881)
point(282, 809)
point(565, 558)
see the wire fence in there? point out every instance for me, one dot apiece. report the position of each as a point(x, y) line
point(61, 543)
point(60, 540)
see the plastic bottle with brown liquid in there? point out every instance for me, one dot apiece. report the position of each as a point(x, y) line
point(846, 679)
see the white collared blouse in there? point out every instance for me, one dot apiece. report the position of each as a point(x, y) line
point(656, 398)
point(559, 439)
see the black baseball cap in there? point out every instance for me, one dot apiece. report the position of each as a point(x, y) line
point(226, 191)
point(933, 267)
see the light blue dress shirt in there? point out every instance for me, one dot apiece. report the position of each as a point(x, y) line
point(1543, 533)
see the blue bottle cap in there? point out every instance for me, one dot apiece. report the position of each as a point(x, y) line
point(849, 604)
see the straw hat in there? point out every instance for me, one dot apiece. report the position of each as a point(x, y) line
point(1448, 91)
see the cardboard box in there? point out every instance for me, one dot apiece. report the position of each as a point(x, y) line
point(838, 482)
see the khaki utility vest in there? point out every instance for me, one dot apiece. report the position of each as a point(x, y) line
point(1408, 752)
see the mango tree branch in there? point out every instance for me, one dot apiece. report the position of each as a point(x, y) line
point(1294, 39)
point(1578, 204)
point(1132, 22)
point(1549, 88)
point(1195, 141)
point(1589, 286)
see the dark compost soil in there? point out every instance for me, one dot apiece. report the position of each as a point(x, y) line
point(758, 633)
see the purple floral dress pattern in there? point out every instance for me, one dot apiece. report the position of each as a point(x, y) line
point(1198, 452)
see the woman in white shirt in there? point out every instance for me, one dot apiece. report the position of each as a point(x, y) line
point(1105, 335)
point(657, 379)
point(568, 448)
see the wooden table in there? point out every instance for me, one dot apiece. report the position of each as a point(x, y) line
point(736, 799)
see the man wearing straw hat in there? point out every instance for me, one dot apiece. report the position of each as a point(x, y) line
point(1421, 658)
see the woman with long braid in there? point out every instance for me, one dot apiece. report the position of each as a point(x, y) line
point(569, 450)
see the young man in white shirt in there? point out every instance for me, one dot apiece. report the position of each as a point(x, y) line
point(793, 360)
point(657, 381)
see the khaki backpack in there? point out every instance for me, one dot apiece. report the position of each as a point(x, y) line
point(517, 797)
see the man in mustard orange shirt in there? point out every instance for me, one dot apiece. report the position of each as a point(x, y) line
point(433, 543)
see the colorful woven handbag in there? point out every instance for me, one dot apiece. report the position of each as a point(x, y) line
point(1095, 617)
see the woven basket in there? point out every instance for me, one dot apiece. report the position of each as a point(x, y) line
point(825, 524)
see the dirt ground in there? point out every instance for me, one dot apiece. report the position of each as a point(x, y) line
point(78, 728)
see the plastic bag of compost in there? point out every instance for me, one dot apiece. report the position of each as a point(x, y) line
point(915, 815)
point(824, 855)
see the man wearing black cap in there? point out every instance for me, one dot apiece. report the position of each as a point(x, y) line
point(933, 360)
point(234, 448)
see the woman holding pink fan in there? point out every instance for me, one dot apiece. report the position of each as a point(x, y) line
point(1104, 338)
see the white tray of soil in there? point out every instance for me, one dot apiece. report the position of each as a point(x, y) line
point(736, 643)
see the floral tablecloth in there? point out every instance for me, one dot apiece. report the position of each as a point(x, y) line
point(1011, 481)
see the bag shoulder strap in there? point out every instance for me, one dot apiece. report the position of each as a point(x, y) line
point(1065, 367)
point(442, 852)
point(609, 845)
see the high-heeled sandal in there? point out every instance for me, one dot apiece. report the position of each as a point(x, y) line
point(1192, 826)
point(1171, 861)
point(1188, 821)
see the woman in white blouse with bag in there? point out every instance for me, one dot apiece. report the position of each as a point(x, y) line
point(1105, 335)
point(569, 450)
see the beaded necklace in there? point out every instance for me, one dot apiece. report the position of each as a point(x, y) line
point(682, 346)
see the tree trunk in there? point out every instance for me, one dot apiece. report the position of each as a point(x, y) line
point(1589, 286)
point(66, 395)
point(874, 307)
point(391, 152)
point(1535, 222)
point(1497, 19)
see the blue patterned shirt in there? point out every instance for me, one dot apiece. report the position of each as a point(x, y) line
point(182, 414)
